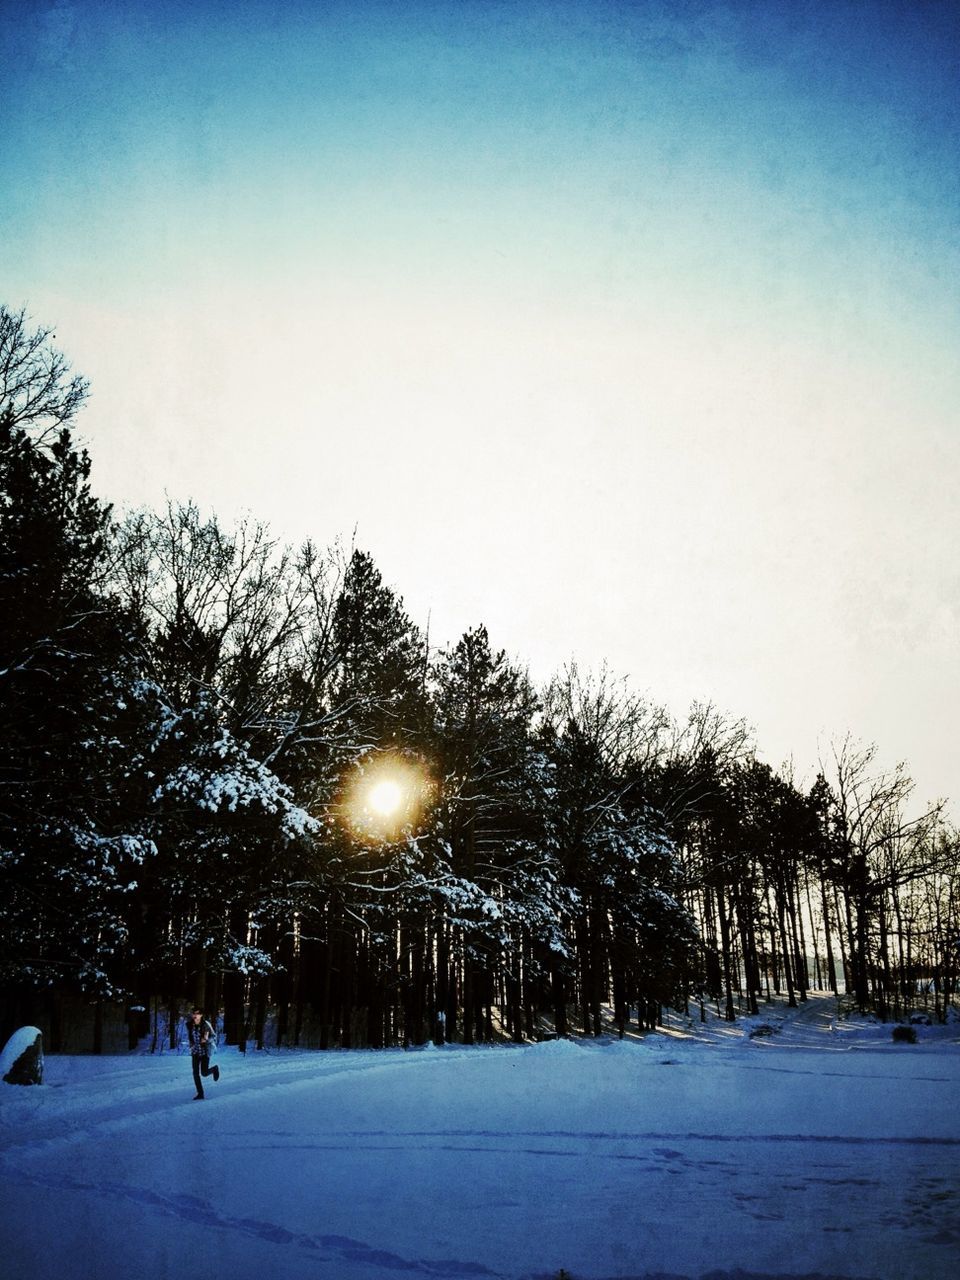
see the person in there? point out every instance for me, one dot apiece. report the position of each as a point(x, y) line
point(201, 1037)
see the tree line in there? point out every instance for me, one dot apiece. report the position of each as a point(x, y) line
point(235, 773)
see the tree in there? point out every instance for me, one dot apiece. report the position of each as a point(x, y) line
point(869, 819)
point(237, 637)
point(379, 683)
point(69, 697)
point(222, 609)
point(489, 818)
point(37, 391)
point(226, 829)
point(689, 784)
point(632, 937)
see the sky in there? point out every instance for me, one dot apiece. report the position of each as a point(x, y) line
point(631, 331)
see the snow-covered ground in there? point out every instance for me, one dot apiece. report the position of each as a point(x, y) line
point(823, 1149)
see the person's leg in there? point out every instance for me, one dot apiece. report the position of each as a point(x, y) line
point(206, 1068)
point(195, 1060)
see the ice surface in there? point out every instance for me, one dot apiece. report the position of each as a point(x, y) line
point(692, 1152)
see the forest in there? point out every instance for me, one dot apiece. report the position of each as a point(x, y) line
point(236, 773)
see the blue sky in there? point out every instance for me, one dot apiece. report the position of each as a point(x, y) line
point(628, 329)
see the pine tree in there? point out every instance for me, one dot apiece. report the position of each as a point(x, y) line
point(69, 696)
point(378, 686)
point(490, 821)
point(632, 938)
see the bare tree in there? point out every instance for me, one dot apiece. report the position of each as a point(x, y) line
point(37, 389)
point(872, 831)
point(627, 729)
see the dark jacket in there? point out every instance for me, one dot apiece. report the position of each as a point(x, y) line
point(201, 1036)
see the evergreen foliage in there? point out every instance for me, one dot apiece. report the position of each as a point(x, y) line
point(191, 722)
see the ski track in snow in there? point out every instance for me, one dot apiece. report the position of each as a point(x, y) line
point(333, 1248)
point(192, 1209)
point(657, 1135)
point(147, 1100)
point(762, 1185)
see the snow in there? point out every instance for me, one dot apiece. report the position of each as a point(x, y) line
point(18, 1044)
point(694, 1151)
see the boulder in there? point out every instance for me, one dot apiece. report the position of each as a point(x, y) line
point(22, 1059)
point(763, 1029)
point(904, 1035)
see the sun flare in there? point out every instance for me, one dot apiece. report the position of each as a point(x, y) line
point(385, 796)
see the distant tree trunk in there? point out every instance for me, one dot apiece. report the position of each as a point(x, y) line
point(214, 995)
point(280, 982)
point(531, 987)
point(583, 956)
point(283, 1014)
point(844, 936)
point(297, 993)
point(375, 1000)
point(860, 957)
point(260, 1015)
point(558, 988)
point(488, 1008)
point(743, 901)
point(348, 988)
point(597, 939)
point(513, 998)
point(827, 940)
point(418, 1030)
point(814, 933)
point(447, 1026)
point(468, 999)
point(799, 942)
point(774, 946)
point(453, 1026)
point(173, 1014)
point(725, 958)
point(885, 985)
point(785, 948)
point(233, 1002)
point(621, 1009)
point(901, 982)
point(326, 954)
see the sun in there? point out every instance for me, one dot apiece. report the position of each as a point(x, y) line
point(384, 796)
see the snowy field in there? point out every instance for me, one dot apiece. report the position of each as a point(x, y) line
point(813, 1152)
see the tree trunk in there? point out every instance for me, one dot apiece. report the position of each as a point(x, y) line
point(260, 1017)
point(729, 1011)
point(797, 941)
point(785, 948)
point(828, 945)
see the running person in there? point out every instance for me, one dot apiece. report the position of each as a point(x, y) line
point(201, 1038)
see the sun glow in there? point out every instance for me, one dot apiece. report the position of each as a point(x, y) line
point(385, 796)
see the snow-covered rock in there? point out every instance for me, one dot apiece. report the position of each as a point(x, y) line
point(22, 1059)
